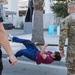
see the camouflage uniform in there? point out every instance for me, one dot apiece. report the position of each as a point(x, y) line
point(67, 29)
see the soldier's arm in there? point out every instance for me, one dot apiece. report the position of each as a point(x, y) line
point(63, 34)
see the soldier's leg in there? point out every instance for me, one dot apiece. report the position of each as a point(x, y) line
point(70, 61)
point(71, 72)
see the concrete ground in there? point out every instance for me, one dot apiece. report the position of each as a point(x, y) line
point(30, 68)
point(27, 67)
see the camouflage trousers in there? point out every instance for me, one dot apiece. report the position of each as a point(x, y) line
point(70, 74)
point(70, 61)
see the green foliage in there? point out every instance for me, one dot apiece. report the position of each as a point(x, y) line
point(21, 25)
point(61, 0)
point(60, 9)
point(65, 0)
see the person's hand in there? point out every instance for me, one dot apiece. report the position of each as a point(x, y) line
point(36, 43)
point(45, 45)
point(13, 60)
point(62, 53)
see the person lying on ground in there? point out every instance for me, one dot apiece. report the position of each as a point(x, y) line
point(33, 53)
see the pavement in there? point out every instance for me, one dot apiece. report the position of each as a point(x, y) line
point(28, 67)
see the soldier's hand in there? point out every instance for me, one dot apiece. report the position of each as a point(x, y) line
point(62, 53)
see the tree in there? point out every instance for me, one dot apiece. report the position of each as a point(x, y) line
point(65, 0)
point(61, 0)
point(60, 9)
point(37, 31)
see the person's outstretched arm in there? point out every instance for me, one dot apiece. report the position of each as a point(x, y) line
point(41, 46)
point(43, 51)
point(5, 44)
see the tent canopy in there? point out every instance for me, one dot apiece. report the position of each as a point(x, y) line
point(10, 12)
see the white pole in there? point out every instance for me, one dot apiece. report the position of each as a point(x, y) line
point(47, 7)
point(58, 30)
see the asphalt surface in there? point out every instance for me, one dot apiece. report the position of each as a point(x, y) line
point(30, 68)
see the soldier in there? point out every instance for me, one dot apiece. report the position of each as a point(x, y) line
point(67, 29)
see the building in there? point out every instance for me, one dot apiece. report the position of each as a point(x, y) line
point(23, 5)
point(20, 7)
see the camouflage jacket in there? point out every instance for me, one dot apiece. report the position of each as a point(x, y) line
point(67, 29)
